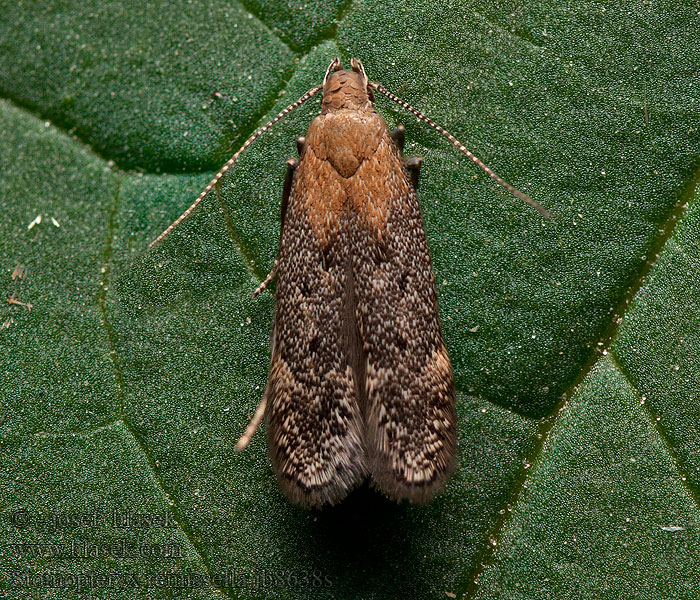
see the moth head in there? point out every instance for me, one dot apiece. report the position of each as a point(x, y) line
point(347, 90)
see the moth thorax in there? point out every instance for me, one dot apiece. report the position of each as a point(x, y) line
point(345, 90)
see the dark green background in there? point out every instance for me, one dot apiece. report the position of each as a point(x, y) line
point(575, 340)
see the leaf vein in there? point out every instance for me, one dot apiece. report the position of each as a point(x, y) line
point(102, 299)
point(659, 428)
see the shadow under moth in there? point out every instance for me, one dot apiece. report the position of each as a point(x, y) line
point(360, 384)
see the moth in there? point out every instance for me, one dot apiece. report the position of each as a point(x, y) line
point(360, 383)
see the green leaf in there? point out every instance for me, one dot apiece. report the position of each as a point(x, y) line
point(617, 505)
point(574, 340)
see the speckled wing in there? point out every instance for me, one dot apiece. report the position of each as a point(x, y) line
point(315, 427)
point(360, 381)
point(410, 421)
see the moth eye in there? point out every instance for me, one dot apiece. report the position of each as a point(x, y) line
point(370, 94)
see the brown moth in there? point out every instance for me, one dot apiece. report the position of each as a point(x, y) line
point(360, 385)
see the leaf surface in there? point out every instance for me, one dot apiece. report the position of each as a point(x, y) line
point(574, 340)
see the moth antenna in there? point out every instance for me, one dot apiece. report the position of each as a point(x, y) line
point(229, 163)
point(457, 144)
point(249, 432)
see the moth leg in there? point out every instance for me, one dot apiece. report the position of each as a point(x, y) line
point(413, 165)
point(270, 276)
point(252, 426)
point(399, 135)
point(292, 165)
point(301, 142)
